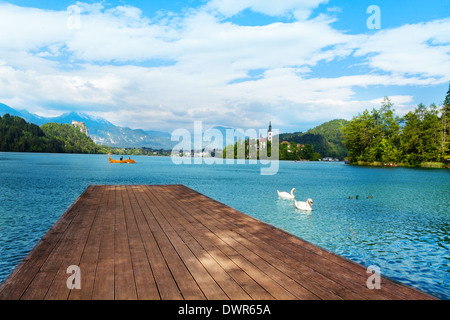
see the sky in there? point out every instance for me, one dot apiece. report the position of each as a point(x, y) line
point(163, 64)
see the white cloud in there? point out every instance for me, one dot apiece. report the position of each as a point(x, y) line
point(107, 65)
point(418, 49)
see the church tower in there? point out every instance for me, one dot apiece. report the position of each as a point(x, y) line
point(269, 134)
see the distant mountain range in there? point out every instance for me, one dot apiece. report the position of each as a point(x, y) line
point(326, 138)
point(101, 131)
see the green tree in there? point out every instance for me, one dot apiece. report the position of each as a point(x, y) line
point(378, 136)
point(358, 135)
point(431, 131)
point(16, 135)
point(445, 127)
point(74, 141)
point(411, 142)
point(390, 128)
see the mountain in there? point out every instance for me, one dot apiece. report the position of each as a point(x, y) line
point(4, 109)
point(101, 131)
point(326, 139)
point(130, 138)
point(24, 114)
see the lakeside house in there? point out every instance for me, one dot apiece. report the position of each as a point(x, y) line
point(330, 159)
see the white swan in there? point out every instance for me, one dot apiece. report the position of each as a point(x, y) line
point(288, 196)
point(307, 206)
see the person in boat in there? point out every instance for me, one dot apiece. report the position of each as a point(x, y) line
point(121, 158)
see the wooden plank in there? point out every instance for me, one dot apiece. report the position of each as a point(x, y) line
point(89, 259)
point(145, 282)
point(212, 262)
point(170, 243)
point(200, 275)
point(208, 241)
point(166, 284)
point(207, 273)
point(125, 287)
point(104, 279)
point(186, 283)
point(242, 268)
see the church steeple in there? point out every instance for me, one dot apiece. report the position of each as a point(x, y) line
point(269, 133)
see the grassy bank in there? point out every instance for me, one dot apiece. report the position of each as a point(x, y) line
point(438, 165)
point(435, 165)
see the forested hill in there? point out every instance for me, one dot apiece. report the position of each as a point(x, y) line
point(16, 135)
point(326, 138)
point(73, 140)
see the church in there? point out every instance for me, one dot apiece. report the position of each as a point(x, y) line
point(263, 141)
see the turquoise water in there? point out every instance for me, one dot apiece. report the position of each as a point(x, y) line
point(404, 229)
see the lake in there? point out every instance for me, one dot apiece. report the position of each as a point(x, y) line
point(403, 229)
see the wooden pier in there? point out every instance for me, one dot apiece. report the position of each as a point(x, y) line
point(173, 243)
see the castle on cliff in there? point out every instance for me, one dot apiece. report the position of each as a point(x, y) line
point(81, 125)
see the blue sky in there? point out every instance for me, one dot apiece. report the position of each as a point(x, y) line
point(161, 65)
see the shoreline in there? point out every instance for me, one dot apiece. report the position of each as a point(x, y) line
point(423, 165)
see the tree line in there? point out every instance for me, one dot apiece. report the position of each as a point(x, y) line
point(381, 137)
point(254, 149)
point(17, 135)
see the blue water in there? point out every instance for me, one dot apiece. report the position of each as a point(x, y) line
point(404, 229)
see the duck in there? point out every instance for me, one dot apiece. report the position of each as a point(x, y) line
point(357, 197)
point(288, 196)
point(306, 206)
